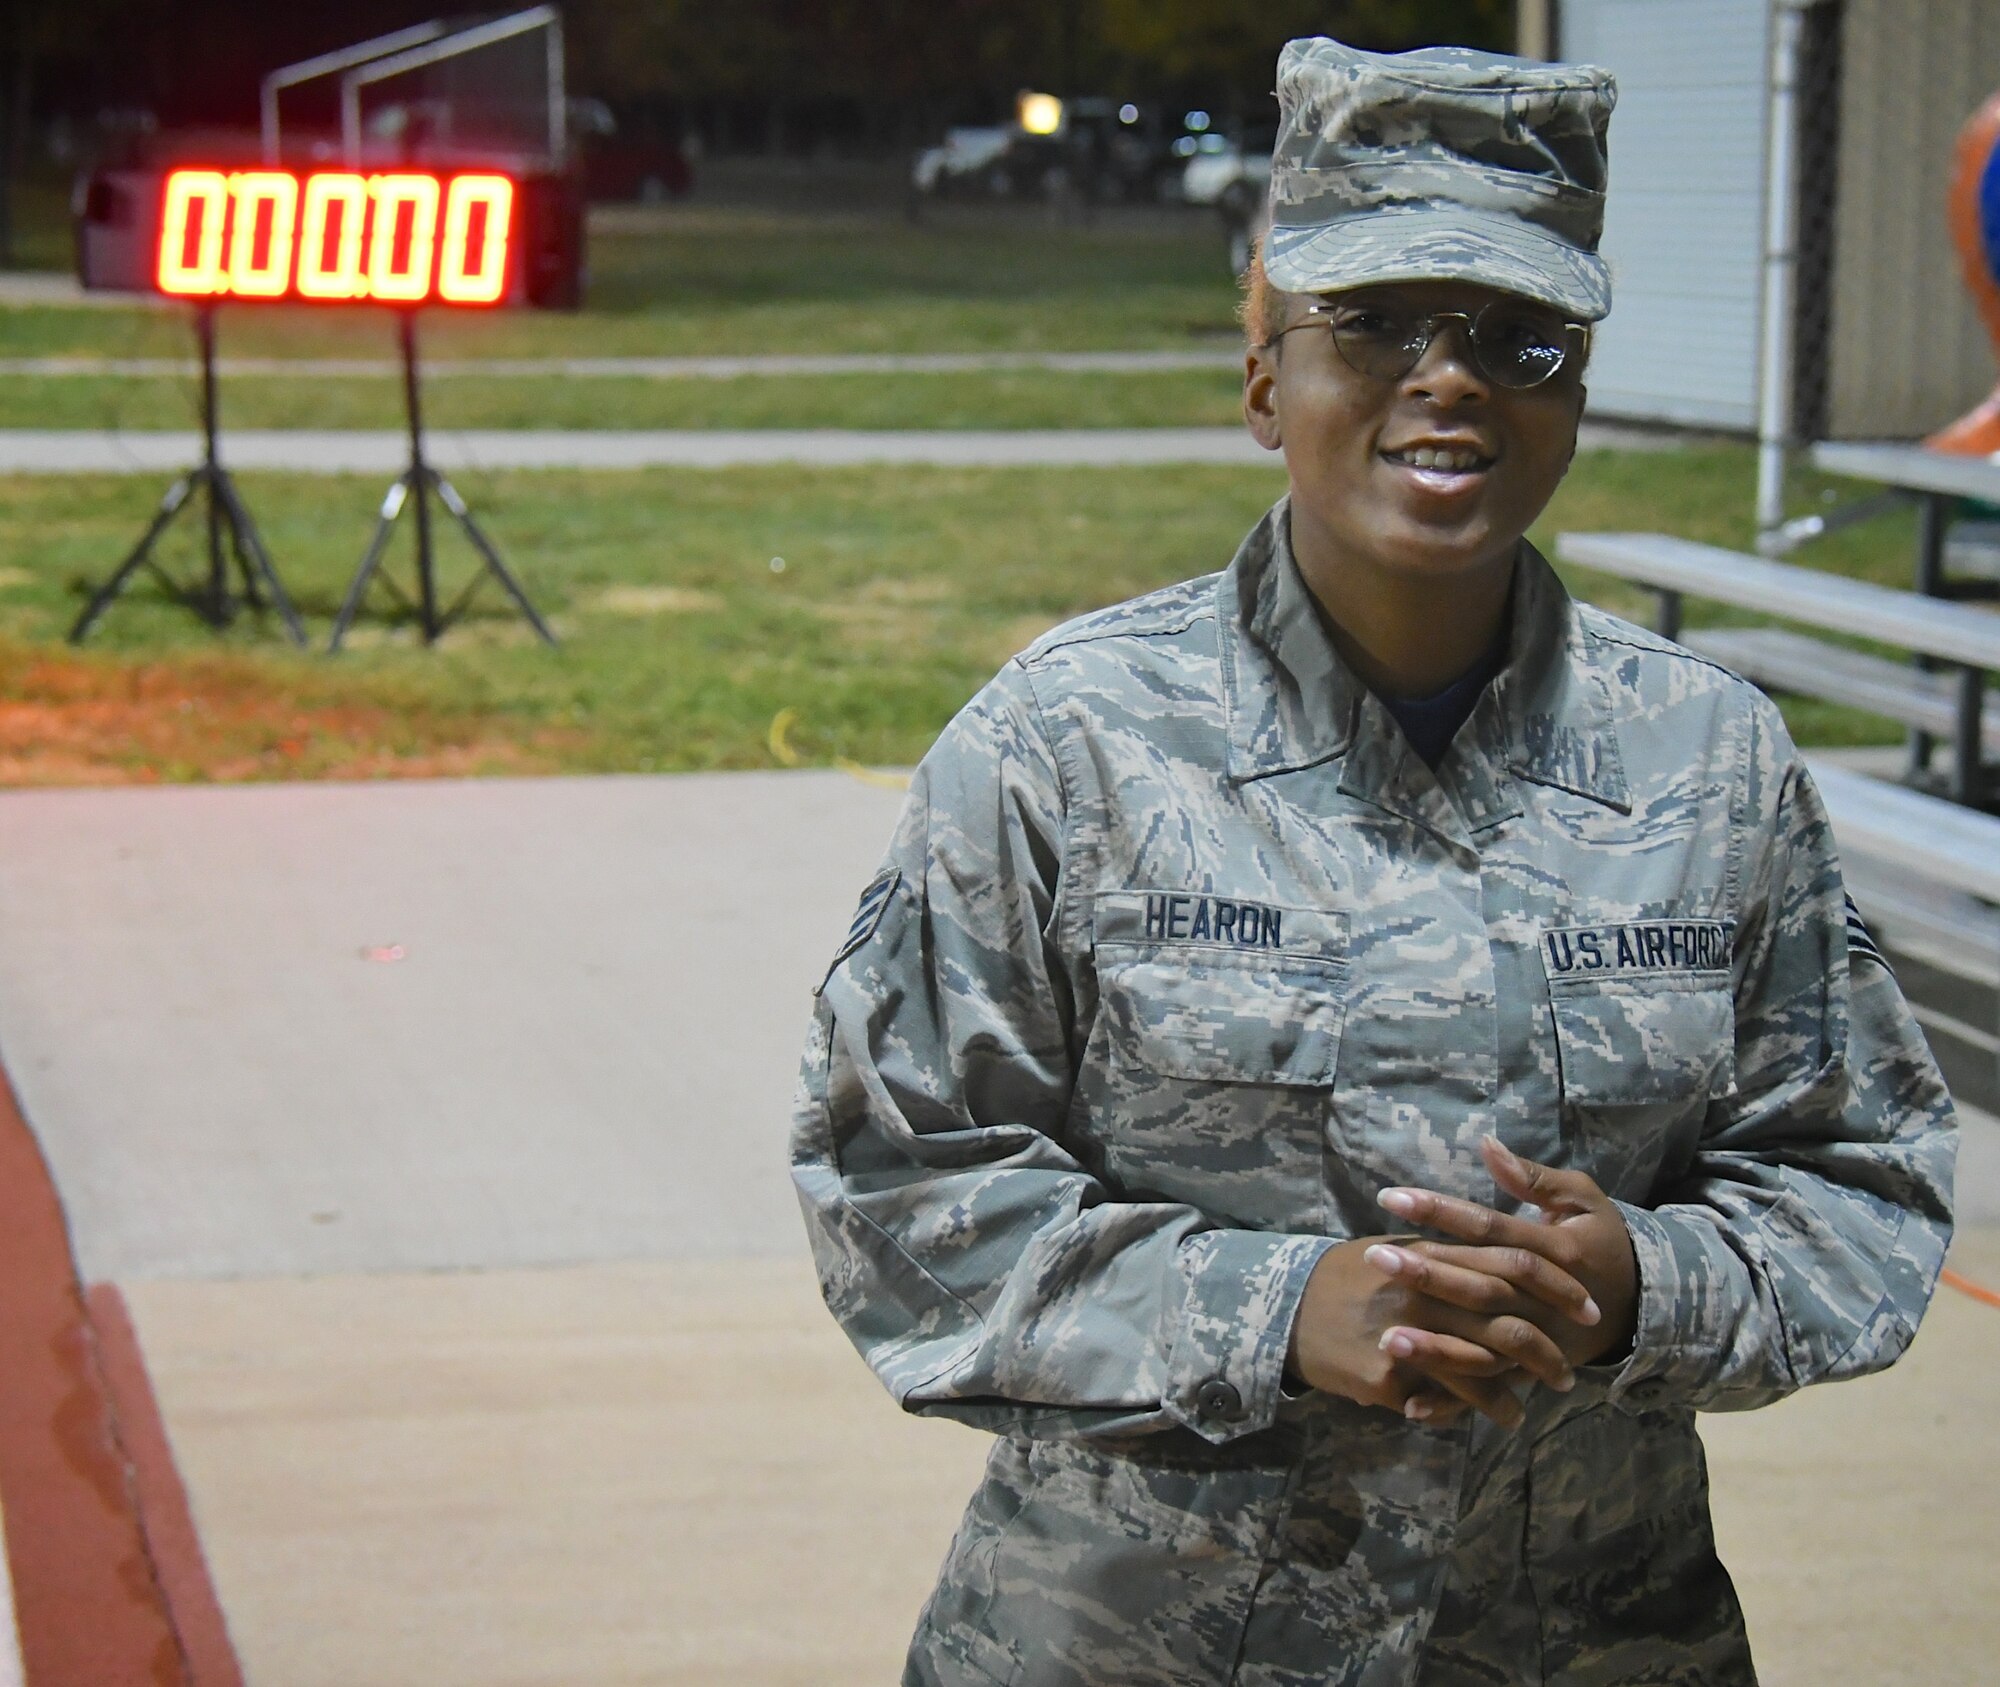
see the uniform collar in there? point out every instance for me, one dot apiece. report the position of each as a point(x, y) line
point(1291, 702)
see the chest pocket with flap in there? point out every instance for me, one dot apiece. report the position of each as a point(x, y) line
point(1652, 1021)
point(1215, 990)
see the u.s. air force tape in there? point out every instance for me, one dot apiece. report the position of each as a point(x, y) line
point(867, 916)
point(1638, 947)
point(1861, 945)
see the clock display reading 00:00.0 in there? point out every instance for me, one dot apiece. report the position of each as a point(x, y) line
point(405, 237)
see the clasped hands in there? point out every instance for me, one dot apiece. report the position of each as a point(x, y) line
point(1435, 1329)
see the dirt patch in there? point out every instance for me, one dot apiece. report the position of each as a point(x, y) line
point(654, 600)
point(1011, 637)
point(898, 626)
point(64, 721)
point(488, 632)
point(887, 589)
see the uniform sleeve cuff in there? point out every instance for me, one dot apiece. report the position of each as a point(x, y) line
point(1667, 1341)
point(1232, 1326)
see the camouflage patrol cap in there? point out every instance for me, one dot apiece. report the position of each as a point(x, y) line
point(1439, 165)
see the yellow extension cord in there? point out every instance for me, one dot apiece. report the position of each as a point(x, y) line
point(779, 740)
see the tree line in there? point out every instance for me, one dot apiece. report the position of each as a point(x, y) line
point(897, 69)
point(956, 58)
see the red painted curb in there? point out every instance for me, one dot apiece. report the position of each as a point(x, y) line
point(90, 1601)
point(164, 1515)
point(85, 1600)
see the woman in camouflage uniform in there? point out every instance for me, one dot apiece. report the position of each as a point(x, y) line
point(1252, 956)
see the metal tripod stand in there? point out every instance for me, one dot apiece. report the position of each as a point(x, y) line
point(415, 486)
point(210, 598)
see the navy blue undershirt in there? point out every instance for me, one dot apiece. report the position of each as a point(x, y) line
point(1431, 723)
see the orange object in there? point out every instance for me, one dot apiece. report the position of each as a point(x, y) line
point(1966, 1286)
point(1975, 230)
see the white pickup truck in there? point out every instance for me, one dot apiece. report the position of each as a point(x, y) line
point(966, 160)
point(1236, 181)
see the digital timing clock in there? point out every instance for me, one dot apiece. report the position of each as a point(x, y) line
point(402, 237)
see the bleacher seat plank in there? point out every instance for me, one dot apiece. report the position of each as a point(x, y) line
point(1962, 933)
point(1787, 661)
point(1913, 467)
point(1951, 631)
point(1945, 842)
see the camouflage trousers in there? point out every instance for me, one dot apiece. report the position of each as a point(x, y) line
point(1343, 1549)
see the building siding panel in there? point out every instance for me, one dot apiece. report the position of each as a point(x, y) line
point(1684, 226)
point(1908, 354)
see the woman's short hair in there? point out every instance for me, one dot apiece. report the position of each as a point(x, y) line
point(1262, 307)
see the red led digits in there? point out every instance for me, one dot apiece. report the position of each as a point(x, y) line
point(403, 240)
point(333, 236)
point(266, 208)
point(191, 226)
point(472, 269)
point(330, 233)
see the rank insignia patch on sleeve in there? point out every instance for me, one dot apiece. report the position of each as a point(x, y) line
point(874, 904)
point(1861, 943)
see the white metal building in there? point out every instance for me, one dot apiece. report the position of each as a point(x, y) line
point(1683, 229)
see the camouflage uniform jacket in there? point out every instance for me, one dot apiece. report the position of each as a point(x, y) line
point(1180, 955)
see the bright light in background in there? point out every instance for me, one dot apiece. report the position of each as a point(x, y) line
point(1196, 121)
point(1041, 114)
point(1128, 114)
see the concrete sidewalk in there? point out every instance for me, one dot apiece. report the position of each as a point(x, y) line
point(455, 451)
point(776, 364)
point(28, 451)
point(284, 1030)
point(434, 1134)
point(680, 1473)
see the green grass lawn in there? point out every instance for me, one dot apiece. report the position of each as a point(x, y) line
point(900, 592)
point(42, 238)
point(998, 399)
point(712, 281)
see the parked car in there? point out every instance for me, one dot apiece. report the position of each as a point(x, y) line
point(1233, 176)
point(618, 166)
point(968, 161)
point(1100, 150)
point(1218, 168)
point(1243, 225)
